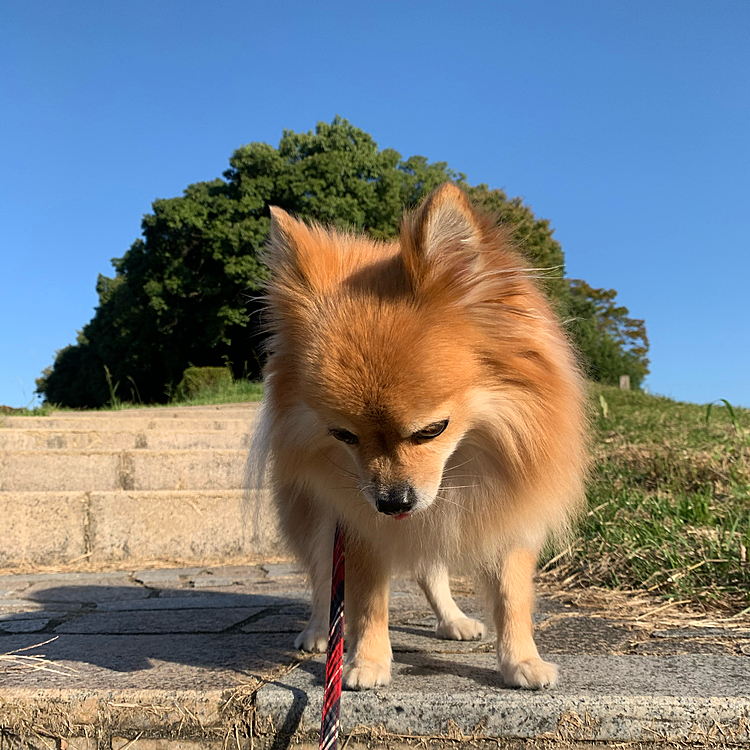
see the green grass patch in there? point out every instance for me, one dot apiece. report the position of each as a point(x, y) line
point(236, 391)
point(668, 502)
point(37, 411)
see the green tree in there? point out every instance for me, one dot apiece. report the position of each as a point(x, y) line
point(611, 343)
point(186, 292)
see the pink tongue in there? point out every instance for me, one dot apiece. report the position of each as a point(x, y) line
point(402, 515)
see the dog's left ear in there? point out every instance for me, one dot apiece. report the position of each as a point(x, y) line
point(442, 234)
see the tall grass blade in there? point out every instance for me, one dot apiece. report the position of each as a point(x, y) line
point(604, 405)
point(114, 401)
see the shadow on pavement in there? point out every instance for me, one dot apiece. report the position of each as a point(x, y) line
point(129, 629)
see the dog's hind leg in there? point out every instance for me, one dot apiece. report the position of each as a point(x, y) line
point(309, 531)
point(452, 623)
point(315, 636)
point(510, 587)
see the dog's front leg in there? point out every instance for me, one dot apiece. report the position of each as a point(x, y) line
point(511, 591)
point(368, 661)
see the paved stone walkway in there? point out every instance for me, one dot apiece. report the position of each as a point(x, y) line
point(204, 654)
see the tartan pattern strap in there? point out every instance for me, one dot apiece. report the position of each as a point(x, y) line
point(329, 729)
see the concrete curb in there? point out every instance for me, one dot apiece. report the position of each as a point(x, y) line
point(604, 698)
point(431, 706)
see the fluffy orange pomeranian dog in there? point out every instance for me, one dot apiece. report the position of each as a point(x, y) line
point(422, 394)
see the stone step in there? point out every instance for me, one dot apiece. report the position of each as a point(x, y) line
point(608, 698)
point(58, 528)
point(221, 411)
point(141, 423)
point(117, 440)
point(92, 470)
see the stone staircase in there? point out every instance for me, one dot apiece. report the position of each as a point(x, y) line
point(134, 486)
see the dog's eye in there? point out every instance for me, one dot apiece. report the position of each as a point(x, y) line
point(431, 431)
point(344, 436)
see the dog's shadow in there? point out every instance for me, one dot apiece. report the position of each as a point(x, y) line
point(423, 663)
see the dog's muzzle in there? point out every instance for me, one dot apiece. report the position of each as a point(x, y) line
point(395, 500)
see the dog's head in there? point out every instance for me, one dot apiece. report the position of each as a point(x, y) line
point(395, 399)
point(388, 344)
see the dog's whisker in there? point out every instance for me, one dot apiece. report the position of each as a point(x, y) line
point(360, 504)
point(447, 500)
point(325, 455)
point(471, 476)
point(458, 466)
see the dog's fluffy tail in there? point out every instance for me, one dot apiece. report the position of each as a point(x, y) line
point(258, 517)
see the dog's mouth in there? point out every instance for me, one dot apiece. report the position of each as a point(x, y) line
point(401, 516)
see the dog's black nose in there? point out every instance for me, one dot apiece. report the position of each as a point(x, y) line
point(395, 500)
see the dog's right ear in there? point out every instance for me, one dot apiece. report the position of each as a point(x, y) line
point(286, 238)
point(301, 256)
point(292, 287)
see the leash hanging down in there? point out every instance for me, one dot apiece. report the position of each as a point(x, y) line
point(329, 729)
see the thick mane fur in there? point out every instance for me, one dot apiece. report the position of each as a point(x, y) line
point(354, 321)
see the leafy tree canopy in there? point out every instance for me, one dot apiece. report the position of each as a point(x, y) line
point(611, 342)
point(184, 293)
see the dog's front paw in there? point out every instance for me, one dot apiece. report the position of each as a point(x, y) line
point(462, 629)
point(531, 673)
point(363, 674)
point(313, 640)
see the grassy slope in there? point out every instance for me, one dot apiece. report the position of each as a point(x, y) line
point(669, 501)
point(669, 498)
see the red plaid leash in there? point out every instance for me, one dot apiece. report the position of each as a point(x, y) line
point(329, 728)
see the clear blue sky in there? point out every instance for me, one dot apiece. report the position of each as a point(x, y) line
point(627, 124)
